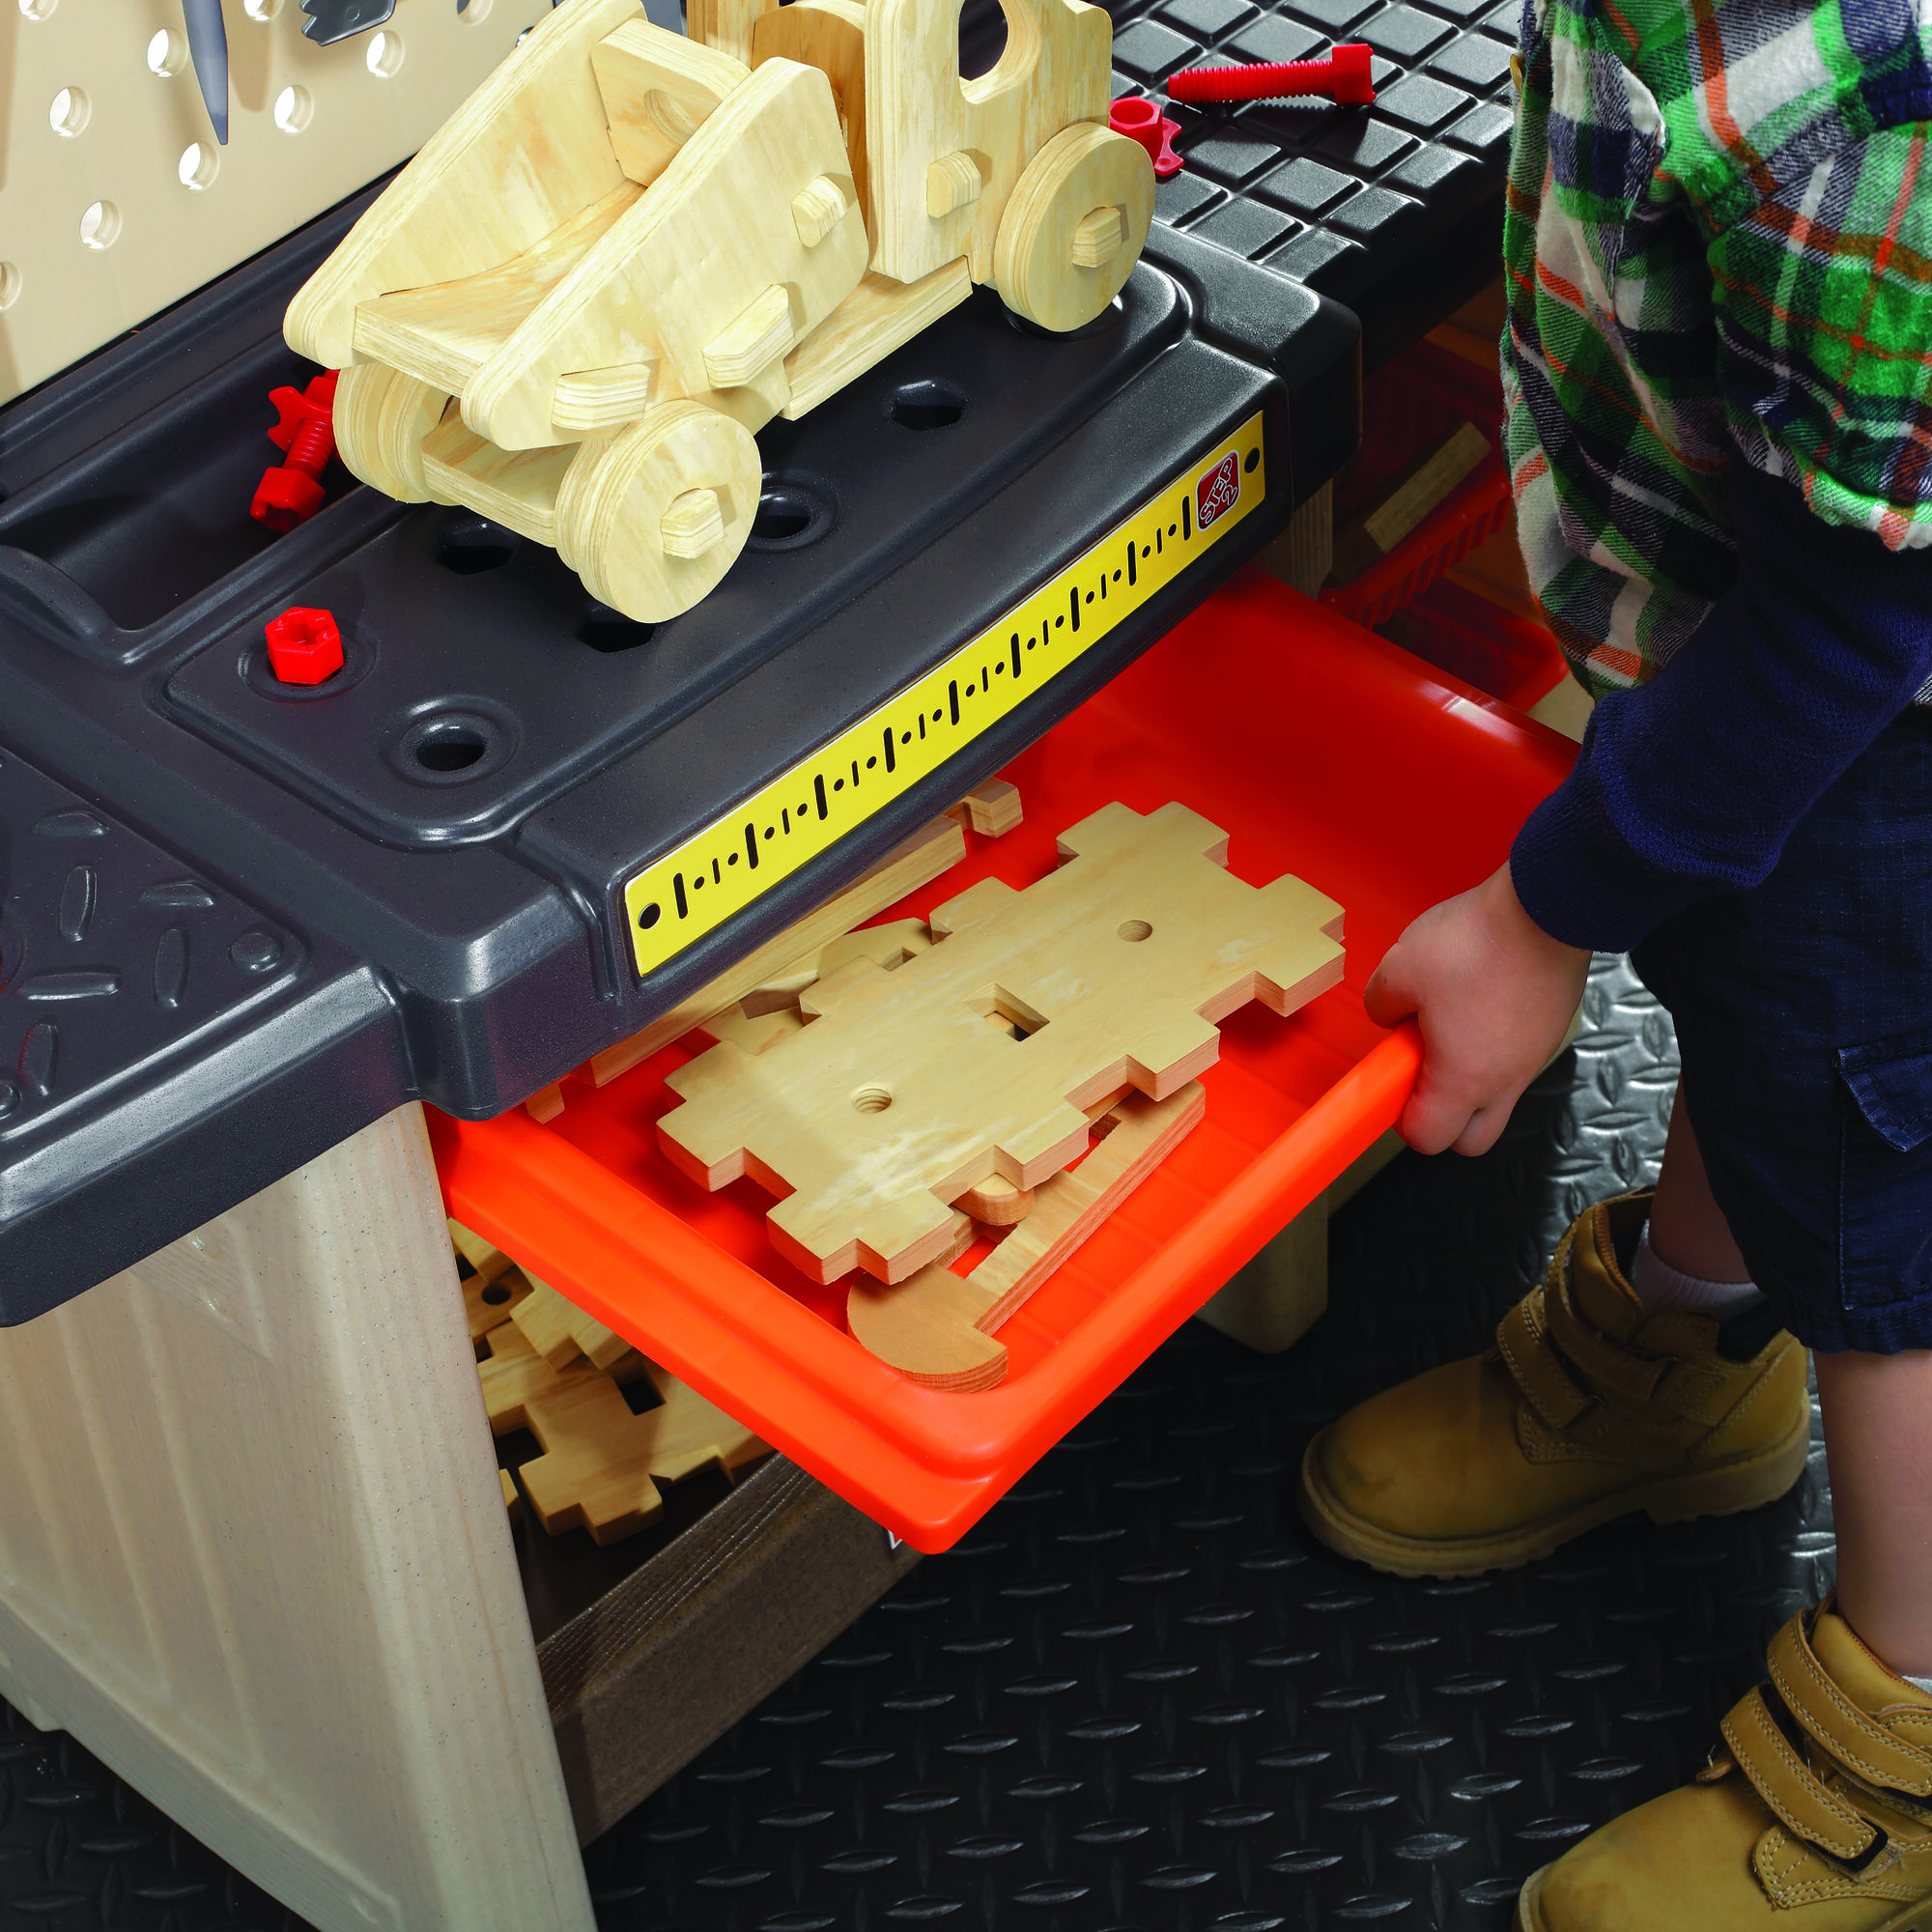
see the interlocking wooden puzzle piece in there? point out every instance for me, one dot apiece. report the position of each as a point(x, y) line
point(601, 1465)
point(934, 848)
point(491, 1303)
point(991, 808)
point(899, 1096)
point(562, 1332)
point(996, 1202)
point(887, 946)
point(829, 34)
point(939, 1327)
point(487, 1258)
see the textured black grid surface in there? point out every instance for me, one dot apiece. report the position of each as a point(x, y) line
point(1138, 1695)
point(1340, 198)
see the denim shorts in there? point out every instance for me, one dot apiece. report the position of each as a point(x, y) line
point(1803, 1011)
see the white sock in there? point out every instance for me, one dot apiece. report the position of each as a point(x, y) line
point(1924, 1684)
point(1660, 1287)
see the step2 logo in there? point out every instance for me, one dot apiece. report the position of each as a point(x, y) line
point(1218, 492)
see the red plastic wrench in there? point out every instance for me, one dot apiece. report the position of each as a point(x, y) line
point(1343, 77)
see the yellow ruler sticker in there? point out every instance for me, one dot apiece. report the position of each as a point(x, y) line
point(760, 842)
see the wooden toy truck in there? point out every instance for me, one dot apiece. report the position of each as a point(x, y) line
point(629, 251)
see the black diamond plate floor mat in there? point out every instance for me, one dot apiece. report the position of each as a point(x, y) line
point(1139, 1694)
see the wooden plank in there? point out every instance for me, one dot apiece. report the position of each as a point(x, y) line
point(876, 318)
point(939, 1328)
point(1113, 970)
point(992, 809)
point(1400, 505)
point(921, 858)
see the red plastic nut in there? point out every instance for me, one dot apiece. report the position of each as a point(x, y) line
point(1140, 120)
point(304, 427)
point(1343, 77)
point(304, 646)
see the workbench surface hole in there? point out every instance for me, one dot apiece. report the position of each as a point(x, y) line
point(471, 545)
point(927, 404)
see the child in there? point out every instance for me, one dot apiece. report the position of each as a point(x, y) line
point(1718, 368)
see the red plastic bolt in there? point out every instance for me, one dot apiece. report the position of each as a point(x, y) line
point(292, 494)
point(1343, 77)
point(1140, 120)
point(304, 646)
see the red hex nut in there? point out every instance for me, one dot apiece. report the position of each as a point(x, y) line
point(304, 646)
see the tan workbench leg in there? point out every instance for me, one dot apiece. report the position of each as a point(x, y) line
point(253, 1555)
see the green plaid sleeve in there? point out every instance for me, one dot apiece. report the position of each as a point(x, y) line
point(1823, 303)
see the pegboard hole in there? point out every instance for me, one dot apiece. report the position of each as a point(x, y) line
point(790, 516)
point(1135, 929)
point(469, 11)
point(295, 109)
point(39, 10)
point(264, 10)
point(452, 744)
point(927, 405)
point(71, 112)
point(10, 284)
point(198, 165)
point(385, 55)
point(872, 1100)
point(100, 225)
point(167, 53)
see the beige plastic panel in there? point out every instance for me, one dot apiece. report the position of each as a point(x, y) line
point(307, 126)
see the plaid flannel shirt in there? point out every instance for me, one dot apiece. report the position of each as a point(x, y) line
point(1718, 245)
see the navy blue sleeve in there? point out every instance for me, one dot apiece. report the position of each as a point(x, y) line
point(1689, 786)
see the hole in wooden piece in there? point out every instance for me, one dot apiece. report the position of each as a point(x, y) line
point(672, 118)
point(1097, 237)
point(872, 1100)
point(1135, 929)
point(496, 1294)
point(1013, 1016)
point(693, 524)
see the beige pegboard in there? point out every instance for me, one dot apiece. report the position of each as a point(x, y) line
point(115, 199)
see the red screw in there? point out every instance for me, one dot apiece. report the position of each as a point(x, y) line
point(1142, 121)
point(1343, 77)
point(292, 494)
point(304, 646)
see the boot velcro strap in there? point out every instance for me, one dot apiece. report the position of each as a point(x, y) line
point(1617, 1371)
point(1781, 1776)
point(1854, 1739)
point(1538, 1373)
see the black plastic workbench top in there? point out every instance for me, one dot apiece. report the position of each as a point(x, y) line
point(239, 922)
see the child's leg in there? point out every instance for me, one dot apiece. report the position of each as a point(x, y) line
point(1878, 1437)
point(1688, 1228)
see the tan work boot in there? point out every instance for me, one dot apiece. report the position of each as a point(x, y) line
point(1586, 1408)
point(1811, 1817)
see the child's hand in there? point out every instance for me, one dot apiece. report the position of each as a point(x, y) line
point(1494, 994)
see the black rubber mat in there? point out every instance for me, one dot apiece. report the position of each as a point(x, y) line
point(1138, 1694)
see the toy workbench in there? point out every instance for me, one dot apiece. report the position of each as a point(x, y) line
point(253, 1553)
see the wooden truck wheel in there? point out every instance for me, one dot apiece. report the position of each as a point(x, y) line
point(653, 518)
point(1075, 227)
point(382, 418)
